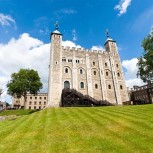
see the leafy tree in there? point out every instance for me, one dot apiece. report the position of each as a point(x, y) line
point(145, 62)
point(23, 82)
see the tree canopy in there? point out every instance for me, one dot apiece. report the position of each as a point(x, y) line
point(145, 62)
point(23, 82)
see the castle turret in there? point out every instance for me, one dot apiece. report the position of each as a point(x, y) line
point(55, 69)
point(119, 87)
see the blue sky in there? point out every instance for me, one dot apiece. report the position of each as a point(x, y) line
point(81, 21)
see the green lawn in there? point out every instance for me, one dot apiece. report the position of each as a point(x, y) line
point(126, 129)
point(16, 112)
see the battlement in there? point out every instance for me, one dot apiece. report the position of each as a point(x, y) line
point(68, 48)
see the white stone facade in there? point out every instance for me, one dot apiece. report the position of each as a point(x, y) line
point(95, 73)
point(38, 101)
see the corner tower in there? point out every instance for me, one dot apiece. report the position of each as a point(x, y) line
point(119, 90)
point(55, 69)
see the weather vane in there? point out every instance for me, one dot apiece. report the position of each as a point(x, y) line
point(107, 33)
point(56, 25)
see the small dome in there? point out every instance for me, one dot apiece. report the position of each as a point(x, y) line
point(56, 31)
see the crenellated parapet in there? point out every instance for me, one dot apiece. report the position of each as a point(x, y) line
point(81, 49)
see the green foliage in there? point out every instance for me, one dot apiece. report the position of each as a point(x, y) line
point(16, 112)
point(24, 81)
point(127, 129)
point(145, 62)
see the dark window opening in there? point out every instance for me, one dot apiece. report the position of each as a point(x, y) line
point(66, 84)
point(109, 86)
point(66, 70)
point(82, 85)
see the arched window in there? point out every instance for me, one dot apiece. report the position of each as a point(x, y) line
point(117, 65)
point(109, 86)
point(81, 85)
point(81, 72)
point(93, 63)
point(118, 74)
point(106, 64)
point(94, 72)
point(121, 87)
point(96, 86)
point(66, 70)
point(66, 84)
point(106, 73)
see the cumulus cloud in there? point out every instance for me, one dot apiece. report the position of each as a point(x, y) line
point(24, 52)
point(97, 48)
point(122, 6)
point(131, 69)
point(70, 44)
point(6, 20)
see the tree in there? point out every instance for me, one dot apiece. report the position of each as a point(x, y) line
point(145, 62)
point(23, 82)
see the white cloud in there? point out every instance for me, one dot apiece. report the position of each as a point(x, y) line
point(70, 44)
point(74, 35)
point(6, 20)
point(24, 52)
point(131, 73)
point(122, 6)
point(97, 48)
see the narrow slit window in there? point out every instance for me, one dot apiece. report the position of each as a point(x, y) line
point(66, 70)
point(109, 86)
point(96, 86)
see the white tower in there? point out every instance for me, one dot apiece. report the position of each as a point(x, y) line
point(55, 69)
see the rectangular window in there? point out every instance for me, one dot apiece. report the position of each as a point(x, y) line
point(63, 60)
point(29, 102)
point(44, 97)
point(35, 97)
point(30, 97)
point(34, 107)
point(35, 102)
point(69, 60)
point(40, 103)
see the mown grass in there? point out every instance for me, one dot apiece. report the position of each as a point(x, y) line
point(87, 130)
point(16, 112)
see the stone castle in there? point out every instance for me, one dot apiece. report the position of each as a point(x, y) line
point(95, 73)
